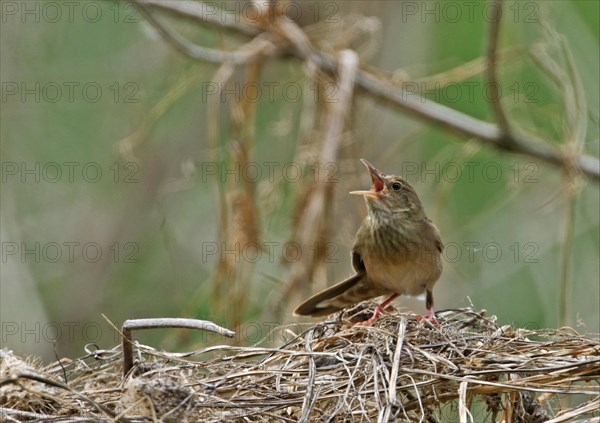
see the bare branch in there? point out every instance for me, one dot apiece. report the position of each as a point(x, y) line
point(245, 54)
point(203, 12)
point(313, 219)
point(492, 69)
point(384, 89)
point(464, 124)
point(467, 70)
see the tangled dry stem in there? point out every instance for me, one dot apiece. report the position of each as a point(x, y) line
point(272, 39)
point(401, 369)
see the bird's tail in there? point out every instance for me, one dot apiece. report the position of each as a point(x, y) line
point(331, 299)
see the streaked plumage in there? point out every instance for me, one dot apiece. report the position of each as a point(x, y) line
point(397, 251)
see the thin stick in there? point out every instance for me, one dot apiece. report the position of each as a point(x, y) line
point(396, 365)
point(204, 12)
point(245, 54)
point(310, 398)
point(492, 71)
point(463, 409)
point(129, 326)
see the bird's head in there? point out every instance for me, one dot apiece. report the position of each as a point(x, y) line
point(390, 194)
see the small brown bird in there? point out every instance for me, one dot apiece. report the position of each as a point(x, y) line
point(397, 251)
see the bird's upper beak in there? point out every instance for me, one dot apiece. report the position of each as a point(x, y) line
point(377, 178)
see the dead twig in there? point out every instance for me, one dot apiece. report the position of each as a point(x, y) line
point(492, 72)
point(337, 373)
point(381, 88)
point(129, 326)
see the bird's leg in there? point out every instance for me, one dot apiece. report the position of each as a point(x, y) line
point(379, 310)
point(389, 300)
point(430, 316)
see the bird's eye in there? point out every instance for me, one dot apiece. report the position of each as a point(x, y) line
point(396, 186)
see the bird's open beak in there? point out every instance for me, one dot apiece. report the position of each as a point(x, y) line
point(377, 178)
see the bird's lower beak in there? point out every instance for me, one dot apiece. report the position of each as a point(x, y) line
point(377, 178)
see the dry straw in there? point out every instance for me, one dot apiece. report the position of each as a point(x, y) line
point(400, 369)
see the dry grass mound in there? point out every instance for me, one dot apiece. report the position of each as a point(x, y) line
point(466, 369)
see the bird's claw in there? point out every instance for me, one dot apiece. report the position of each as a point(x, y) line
point(429, 317)
point(378, 312)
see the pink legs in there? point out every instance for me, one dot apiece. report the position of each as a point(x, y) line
point(430, 316)
point(379, 310)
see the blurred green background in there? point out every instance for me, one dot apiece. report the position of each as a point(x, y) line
point(109, 204)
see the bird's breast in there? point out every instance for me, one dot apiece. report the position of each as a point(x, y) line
point(403, 259)
point(404, 278)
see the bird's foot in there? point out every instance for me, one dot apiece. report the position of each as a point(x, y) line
point(429, 317)
point(378, 312)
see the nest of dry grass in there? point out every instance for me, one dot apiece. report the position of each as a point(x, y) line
point(400, 369)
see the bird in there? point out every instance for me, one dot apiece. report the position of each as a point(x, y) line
point(397, 251)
